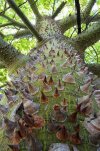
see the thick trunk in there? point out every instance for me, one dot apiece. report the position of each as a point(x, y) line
point(56, 58)
point(9, 56)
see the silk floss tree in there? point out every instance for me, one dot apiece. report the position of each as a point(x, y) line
point(49, 100)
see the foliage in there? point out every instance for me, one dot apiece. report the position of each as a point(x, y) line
point(3, 79)
point(92, 54)
point(24, 45)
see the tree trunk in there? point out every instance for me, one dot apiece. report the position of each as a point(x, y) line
point(39, 103)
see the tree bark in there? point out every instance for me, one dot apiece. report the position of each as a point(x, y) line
point(58, 10)
point(26, 32)
point(9, 56)
point(14, 23)
point(23, 33)
point(87, 38)
point(35, 9)
point(24, 19)
point(70, 21)
point(95, 68)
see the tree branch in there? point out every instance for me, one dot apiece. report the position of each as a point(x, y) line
point(35, 9)
point(70, 20)
point(6, 24)
point(77, 5)
point(97, 58)
point(88, 8)
point(58, 10)
point(24, 19)
point(9, 56)
point(94, 18)
point(53, 6)
point(9, 7)
point(95, 68)
point(23, 33)
point(15, 23)
point(87, 38)
point(28, 33)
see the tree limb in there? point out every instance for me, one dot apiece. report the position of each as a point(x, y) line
point(9, 7)
point(95, 68)
point(53, 6)
point(24, 19)
point(6, 24)
point(77, 5)
point(35, 9)
point(23, 33)
point(70, 20)
point(88, 8)
point(15, 23)
point(27, 32)
point(58, 9)
point(10, 24)
point(87, 38)
point(94, 18)
point(97, 58)
point(9, 56)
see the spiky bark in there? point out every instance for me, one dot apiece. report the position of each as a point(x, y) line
point(25, 90)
